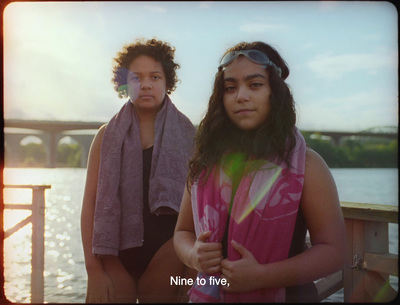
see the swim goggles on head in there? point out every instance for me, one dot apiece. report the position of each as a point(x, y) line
point(255, 56)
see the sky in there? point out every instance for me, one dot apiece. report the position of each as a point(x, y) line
point(342, 56)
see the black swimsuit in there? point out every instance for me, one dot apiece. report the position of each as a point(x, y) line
point(157, 229)
point(306, 293)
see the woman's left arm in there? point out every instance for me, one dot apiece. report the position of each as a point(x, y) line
point(321, 209)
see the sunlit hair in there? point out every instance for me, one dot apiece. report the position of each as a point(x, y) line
point(273, 140)
point(159, 50)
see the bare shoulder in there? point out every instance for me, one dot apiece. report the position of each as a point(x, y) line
point(321, 206)
point(315, 164)
point(313, 158)
point(100, 133)
point(98, 139)
point(93, 168)
point(95, 148)
point(318, 179)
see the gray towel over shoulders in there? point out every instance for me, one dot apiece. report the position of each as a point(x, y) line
point(118, 219)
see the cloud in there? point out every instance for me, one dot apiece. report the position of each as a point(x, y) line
point(328, 5)
point(353, 112)
point(205, 4)
point(155, 8)
point(335, 66)
point(260, 27)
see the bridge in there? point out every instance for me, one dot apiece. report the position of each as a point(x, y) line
point(51, 132)
point(387, 132)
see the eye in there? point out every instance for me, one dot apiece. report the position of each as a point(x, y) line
point(256, 85)
point(229, 88)
point(156, 77)
point(134, 78)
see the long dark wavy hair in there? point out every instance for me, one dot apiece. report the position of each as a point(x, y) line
point(273, 140)
point(159, 50)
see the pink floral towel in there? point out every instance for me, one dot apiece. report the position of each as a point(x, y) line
point(262, 208)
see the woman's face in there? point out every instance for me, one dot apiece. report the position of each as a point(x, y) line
point(146, 83)
point(246, 93)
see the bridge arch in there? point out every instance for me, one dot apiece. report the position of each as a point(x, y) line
point(31, 139)
point(13, 148)
point(51, 140)
point(33, 151)
point(83, 140)
point(14, 143)
point(69, 151)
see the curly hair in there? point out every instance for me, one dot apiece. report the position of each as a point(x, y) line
point(159, 50)
point(273, 140)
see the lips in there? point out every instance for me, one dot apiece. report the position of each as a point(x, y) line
point(146, 96)
point(244, 110)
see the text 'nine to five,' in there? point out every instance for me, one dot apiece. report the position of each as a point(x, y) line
point(177, 280)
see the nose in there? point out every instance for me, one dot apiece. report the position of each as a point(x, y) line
point(243, 95)
point(145, 84)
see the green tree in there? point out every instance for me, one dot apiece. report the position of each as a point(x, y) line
point(33, 154)
point(69, 155)
point(355, 152)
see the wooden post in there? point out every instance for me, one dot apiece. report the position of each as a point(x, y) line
point(352, 275)
point(37, 218)
point(361, 284)
point(37, 277)
point(377, 284)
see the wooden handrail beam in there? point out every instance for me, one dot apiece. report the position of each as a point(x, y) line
point(378, 288)
point(384, 263)
point(369, 211)
point(18, 226)
point(329, 285)
point(26, 186)
point(17, 206)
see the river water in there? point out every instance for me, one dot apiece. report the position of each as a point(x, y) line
point(65, 275)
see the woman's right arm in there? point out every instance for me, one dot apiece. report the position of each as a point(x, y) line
point(195, 253)
point(99, 286)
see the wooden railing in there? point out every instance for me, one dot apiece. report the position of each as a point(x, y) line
point(365, 278)
point(37, 219)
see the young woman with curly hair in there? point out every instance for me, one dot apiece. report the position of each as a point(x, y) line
point(136, 175)
point(254, 189)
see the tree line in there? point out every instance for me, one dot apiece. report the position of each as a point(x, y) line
point(355, 152)
point(34, 155)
